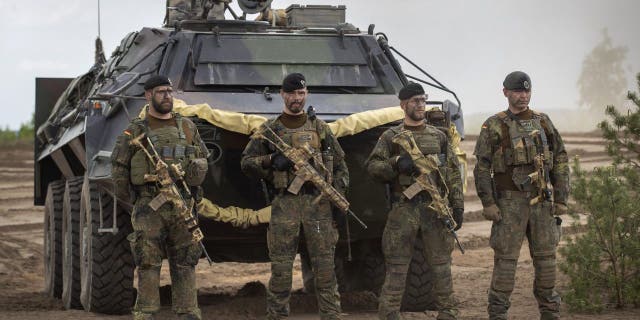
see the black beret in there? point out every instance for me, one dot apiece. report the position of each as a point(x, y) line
point(293, 81)
point(517, 80)
point(155, 81)
point(410, 90)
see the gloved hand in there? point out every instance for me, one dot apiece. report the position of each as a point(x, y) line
point(405, 164)
point(492, 213)
point(458, 216)
point(560, 209)
point(280, 162)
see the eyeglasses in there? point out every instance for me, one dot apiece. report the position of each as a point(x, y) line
point(164, 93)
point(419, 101)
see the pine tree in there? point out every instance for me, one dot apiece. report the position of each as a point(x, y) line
point(603, 264)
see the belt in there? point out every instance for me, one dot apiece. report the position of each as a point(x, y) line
point(307, 188)
point(513, 194)
point(421, 197)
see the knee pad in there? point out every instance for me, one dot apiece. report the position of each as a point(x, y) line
point(281, 273)
point(324, 272)
point(504, 274)
point(545, 272)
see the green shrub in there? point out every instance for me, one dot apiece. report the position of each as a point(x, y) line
point(603, 264)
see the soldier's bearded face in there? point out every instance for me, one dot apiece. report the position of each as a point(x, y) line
point(414, 107)
point(294, 101)
point(162, 99)
point(518, 99)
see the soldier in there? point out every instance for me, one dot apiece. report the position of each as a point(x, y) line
point(505, 152)
point(160, 232)
point(296, 215)
point(389, 163)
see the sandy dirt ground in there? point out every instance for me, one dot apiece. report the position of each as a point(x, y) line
point(237, 291)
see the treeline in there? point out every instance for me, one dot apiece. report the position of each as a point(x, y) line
point(25, 134)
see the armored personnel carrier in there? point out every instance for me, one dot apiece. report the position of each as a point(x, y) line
point(232, 65)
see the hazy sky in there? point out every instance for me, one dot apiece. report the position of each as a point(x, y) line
point(468, 45)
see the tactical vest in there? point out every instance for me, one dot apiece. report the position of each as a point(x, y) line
point(171, 144)
point(429, 144)
point(517, 149)
point(311, 134)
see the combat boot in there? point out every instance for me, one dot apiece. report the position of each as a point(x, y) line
point(137, 315)
point(188, 316)
point(395, 315)
point(549, 315)
point(447, 315)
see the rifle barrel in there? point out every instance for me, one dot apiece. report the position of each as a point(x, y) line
point(364, 226)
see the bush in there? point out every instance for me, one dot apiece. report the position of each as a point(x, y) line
point(25, 134)
point(603, 264)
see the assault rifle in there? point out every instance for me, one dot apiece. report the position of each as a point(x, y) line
point(428, 180)
point(304, 172)
point(168, 177)
point(540, 177)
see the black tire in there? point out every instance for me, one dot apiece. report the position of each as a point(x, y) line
point(53, 239)
point(419, 286)
point(366, 270)
point(106, 263)
point(373, 271)
point(71, 243)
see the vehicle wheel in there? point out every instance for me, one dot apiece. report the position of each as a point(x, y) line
point(53, 239)
point(373, 270)
point(419, 286)
point(365, 272)
point(71, 243)
point(106, 263)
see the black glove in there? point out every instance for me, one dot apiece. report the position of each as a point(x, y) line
point(405, 165)
point(458, 216)
point(280, 162)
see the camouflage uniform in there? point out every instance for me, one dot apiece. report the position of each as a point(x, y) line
point(291, 212)
point(193, 9)
point(505, 149)
point(408, 217)
point(162, 232)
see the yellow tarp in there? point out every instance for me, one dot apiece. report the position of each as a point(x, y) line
point(238, 217)
point(247, 124)
point(228, 120)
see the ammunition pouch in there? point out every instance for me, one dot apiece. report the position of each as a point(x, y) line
point(187, 255)
point(196, 171)
point(521, 178)
point(139, 167)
